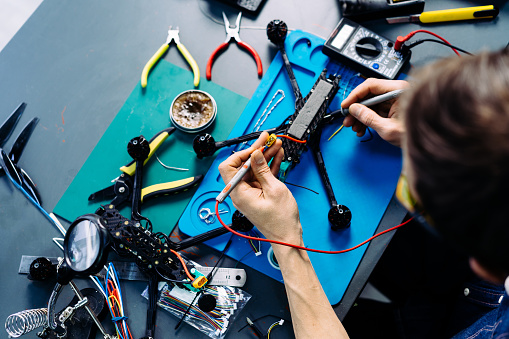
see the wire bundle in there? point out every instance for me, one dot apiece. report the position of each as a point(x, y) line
point(229, 300)
point(113, 294)
point(256, 249)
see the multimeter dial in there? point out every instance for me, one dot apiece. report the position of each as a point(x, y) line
point(368, 48)
point(364, 50)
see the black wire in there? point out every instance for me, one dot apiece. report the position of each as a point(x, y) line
point(370, 135)
point(309, 189)
point(418, 42)
point(245, 255)
point(264, 316)
point(172, 280)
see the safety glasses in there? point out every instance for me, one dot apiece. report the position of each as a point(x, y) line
point(405, 197)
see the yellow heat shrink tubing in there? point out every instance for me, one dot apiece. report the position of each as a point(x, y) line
point(458, 14)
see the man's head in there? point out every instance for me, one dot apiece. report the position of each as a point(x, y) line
point(456, 148)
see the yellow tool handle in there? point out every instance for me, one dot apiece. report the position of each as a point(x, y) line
point(154, 145)
point(169, 188)
point(151, 63)
point(458, 14)
point(192, 63)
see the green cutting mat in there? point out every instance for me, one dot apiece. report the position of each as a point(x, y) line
point(146, 112)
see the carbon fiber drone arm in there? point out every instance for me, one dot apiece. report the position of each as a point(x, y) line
point(204, 144)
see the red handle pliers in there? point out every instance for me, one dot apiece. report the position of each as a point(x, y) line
point(233, 33)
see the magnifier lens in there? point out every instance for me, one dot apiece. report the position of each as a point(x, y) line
point(84, 244)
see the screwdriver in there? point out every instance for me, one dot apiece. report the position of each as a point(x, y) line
point(455, 14)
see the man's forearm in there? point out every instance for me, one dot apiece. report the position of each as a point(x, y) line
point(312, 314)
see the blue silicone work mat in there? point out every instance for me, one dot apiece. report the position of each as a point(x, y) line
point(363, 173)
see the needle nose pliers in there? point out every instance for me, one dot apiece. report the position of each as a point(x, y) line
point(233, 33)
point(173, 35)
point(123, 189)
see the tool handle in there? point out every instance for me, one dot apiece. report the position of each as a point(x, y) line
point(255, 55)
point(155, 142)
point(377, 100)
point(167, 188)
point(151, 63)
point(457, 14)
point(192, 63)
point(212, 57)
point(234, 181)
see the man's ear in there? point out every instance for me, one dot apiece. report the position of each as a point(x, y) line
point(485, 273)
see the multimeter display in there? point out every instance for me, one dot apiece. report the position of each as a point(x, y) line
point(364, 50)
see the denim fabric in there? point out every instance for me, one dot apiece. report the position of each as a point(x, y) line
point(494, 324)
point(425, 278)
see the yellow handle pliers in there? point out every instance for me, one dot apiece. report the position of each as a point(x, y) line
point(173, 35)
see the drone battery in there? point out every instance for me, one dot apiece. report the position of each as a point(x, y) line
point(300, 126)
point(364, 51)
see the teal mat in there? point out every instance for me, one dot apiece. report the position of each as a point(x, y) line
point(146, 112)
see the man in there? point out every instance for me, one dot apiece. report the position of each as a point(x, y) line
point(452, 123)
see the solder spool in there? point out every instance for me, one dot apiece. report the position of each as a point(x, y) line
point(193, 111)
point(23, 322)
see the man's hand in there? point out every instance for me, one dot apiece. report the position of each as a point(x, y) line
point(262, 198)
point(383, 117)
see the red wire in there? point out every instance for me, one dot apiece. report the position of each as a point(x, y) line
point(292, 139)
point(302, 247)
point(400, 41)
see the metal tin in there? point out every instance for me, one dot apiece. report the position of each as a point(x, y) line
point(193, 111)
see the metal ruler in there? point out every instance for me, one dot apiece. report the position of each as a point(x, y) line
point(128, 270)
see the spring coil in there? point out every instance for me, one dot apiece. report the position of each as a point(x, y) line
point(23, 322)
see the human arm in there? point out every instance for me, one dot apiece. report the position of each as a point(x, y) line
point(269, 205)
point(383, 118)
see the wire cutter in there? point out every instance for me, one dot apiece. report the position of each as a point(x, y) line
point(9, 162)
point(233, 33)
point(173, 35)
point(123, 189)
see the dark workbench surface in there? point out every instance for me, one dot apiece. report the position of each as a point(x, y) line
point(75, 63)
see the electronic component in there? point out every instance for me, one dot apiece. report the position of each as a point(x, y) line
point(365, 51)
point(251, 6)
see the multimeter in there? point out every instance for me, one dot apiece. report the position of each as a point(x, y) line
point(363, 50)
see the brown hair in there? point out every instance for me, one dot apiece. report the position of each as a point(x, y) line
point(457, 143)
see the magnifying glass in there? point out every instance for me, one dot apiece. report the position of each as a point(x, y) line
point(85, 244)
